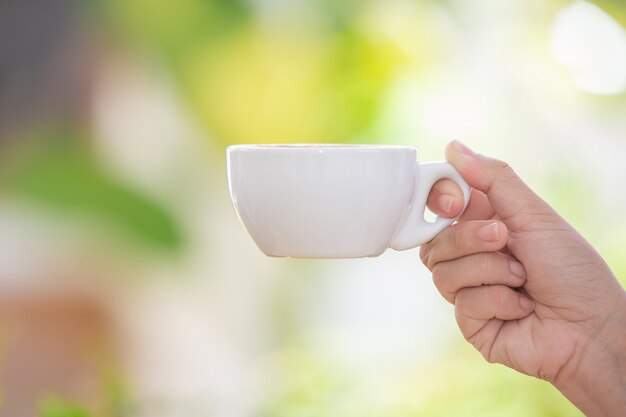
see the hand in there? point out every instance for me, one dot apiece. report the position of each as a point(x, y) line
point(529, 291)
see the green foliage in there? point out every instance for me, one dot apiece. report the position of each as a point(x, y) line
point(463, 385)
point(466, 386)
point(58, 173)
point(615, 8)
point(568, 196)
point(287, 87)
point(172, 28)
point(358, 73)
point(117, 393)
point(53, 406)
point(309, 386)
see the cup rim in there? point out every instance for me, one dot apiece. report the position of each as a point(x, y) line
point(319, 146)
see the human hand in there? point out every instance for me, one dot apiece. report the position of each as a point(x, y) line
point(529, 291)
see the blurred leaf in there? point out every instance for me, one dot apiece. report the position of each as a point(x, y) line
point(278, 87)
point(358, 73)
point(113, 380)
point(461, 385)
point(53, 406)
point(308, 385)
point(63, 176)
point(257, 87)
point(615, 8)
point(173, 27)
point(340, 15)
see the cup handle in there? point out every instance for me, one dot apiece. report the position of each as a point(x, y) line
point(416, 230)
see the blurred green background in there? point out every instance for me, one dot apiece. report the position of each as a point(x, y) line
point(128, 287)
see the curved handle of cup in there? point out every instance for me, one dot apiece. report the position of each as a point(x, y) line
point(416, 230)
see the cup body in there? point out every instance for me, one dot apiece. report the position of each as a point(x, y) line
point(321, 201)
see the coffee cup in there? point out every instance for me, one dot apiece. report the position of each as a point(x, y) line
point(335, 201)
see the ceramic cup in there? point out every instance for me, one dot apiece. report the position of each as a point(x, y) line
point(335, 201)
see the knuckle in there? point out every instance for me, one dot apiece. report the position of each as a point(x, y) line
point(467, 334)
point(496, 164)
point(503, 169)
point(458, 239)
point(486, 266)
point(460, 300)
point(438, 277)
point(458, 314)
point(442, 283)
point(479, 342)
point(485, 352)
point(501, 165)
point(495, 296)
point(425, 254)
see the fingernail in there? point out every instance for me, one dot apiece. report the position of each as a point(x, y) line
point(489, 233)
point(463, 148)
point(517, 269)
point(525, 303)
point(445, 203)
point(459, 155)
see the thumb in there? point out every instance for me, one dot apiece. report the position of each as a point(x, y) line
point(512, 200)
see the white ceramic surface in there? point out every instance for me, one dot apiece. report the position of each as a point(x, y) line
point(334, 201)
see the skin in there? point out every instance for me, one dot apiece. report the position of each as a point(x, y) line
point(529, 291)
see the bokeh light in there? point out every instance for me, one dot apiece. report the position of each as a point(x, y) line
point(128, 286)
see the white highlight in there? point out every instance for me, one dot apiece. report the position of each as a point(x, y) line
point(592, 46)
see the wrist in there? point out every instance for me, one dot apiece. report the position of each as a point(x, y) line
point(595, 379)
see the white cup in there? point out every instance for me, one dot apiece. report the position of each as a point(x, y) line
point(335, 201)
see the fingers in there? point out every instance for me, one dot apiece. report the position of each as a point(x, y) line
point(446, 199)
point(479, 207)
point(477, 270)
point(512, 200)
point(476, 306)
point(462, 239)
